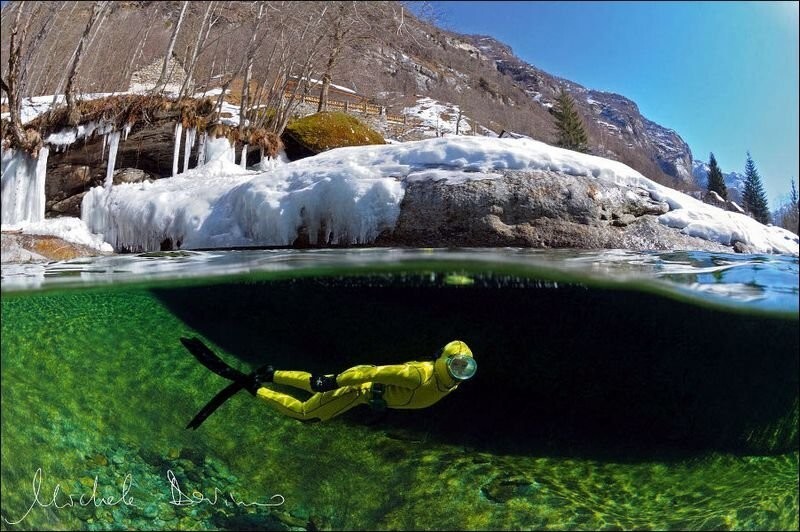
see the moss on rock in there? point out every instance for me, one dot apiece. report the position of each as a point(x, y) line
point(319, 132)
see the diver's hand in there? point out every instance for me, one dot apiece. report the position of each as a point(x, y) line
point(323, 383)
point(256, 380)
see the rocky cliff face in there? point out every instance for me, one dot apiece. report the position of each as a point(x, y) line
point(616, 126)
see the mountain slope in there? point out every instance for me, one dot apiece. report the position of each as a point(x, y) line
point(615, 122)
point(478, 74)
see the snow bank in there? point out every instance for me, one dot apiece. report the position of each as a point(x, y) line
point(349, 195)
point(438, 118)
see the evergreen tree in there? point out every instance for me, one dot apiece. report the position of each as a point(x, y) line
point(716, 183)
point(571, 134)
point(788, 215)
point(754, 197)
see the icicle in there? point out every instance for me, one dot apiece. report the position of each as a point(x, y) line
point(187, 147)
point(176, 151)
point(37, 198)
point(112, 159)
point(104, 147)
point(243, 158)
point(127, 130)
point(219, 148)
point(201, 150)
point(23, 178)
point(261, 162)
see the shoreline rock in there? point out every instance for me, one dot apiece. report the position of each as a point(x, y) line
point(538, 209)
point(21, 248)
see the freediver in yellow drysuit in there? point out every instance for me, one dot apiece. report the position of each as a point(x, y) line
point(416, 384)
point(409, 385)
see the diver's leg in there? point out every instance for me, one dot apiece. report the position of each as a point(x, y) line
point(295, 379)
point(322, 406)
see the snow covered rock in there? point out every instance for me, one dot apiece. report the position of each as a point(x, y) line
point(454, 191)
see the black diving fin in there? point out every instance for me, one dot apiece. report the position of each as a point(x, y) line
point(224, 394)
point(206, 357)
point(210, 360)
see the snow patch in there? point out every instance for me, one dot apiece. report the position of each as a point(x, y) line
point(437, 118)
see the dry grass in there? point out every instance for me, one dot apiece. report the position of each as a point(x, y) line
point(266, 140)
point(127, 109)
point(141, 110)
point(234, 94)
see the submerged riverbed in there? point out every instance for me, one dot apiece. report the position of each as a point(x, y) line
point(614, 390)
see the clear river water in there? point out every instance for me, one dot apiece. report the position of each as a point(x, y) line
point(615, 390)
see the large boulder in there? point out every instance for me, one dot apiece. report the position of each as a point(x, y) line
point(324, 131)
point(540, 209)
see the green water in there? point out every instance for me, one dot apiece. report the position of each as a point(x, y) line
point(594, 407)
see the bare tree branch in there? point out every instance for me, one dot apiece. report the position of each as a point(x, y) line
point(162, 80)
point(73, 114)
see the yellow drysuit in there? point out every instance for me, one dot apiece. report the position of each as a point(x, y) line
point(410, 385)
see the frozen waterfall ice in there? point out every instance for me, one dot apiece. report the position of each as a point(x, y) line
point(113, 144)
point(23, 177)
point(176, 150)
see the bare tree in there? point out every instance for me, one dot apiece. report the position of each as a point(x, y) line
point(350, 23)
point(73, 113)
point(206, 25)
point(137, 52)
point(162, 80)
point(248, 67)
point(14, 83)
point(285, 101)
point(343, 21)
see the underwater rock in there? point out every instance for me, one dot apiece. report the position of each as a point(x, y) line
point(502, 489)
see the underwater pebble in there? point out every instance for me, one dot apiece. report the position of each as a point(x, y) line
point(151, 510)
point(166, 511)
point(118, 515)
point(98, 460)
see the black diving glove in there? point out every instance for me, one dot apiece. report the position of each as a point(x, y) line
point(323, 383)
point(256, 379)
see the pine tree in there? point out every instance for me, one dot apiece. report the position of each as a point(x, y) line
point(716, 183)
point(788, 216)
point(754, 197)
point(571, 134)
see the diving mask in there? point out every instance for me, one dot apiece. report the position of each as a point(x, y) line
point(461, 367)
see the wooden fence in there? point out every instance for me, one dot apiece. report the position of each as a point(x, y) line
point(362, 107)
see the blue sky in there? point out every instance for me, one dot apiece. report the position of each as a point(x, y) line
point(724, 75)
